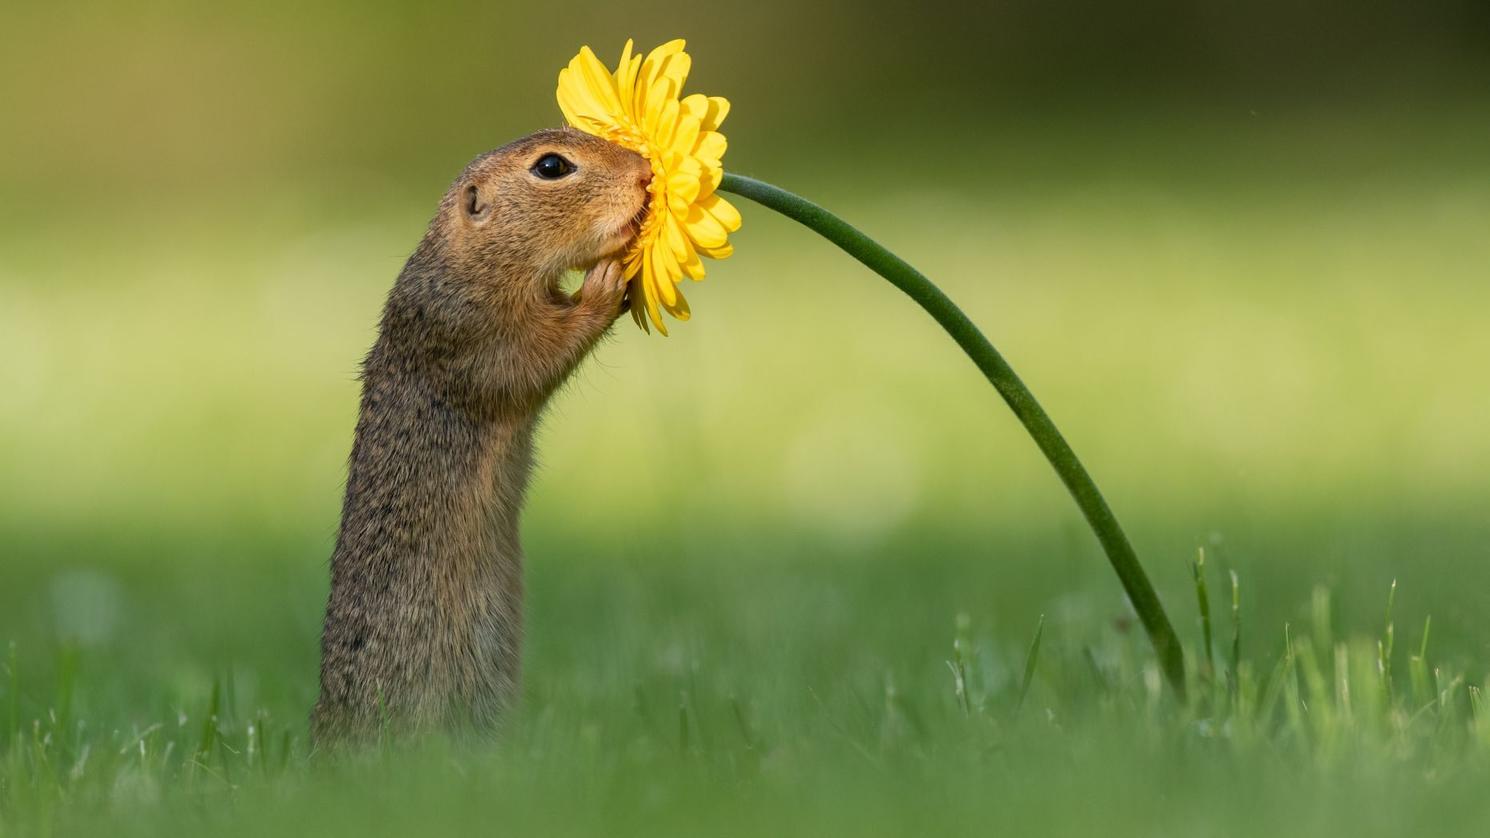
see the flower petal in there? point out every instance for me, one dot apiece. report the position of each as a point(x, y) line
point(709, 180)
point(657, 100)
point(676, 239)
point(581, 90)
point(718, 110)
point(624, 79)
point(657, 257)
point(680, 309)
point(710, 147)
point(682, 190)
point(649, 293)
point(705, 229)
point(651, 71)
point(686, 133)
point(693, 266)
point(573, 101)
point(722, 210)
point(696, 105)
point(601, 83)
point(675, 68)
point(667, 124)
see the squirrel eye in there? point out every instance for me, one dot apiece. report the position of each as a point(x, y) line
point(552, 167)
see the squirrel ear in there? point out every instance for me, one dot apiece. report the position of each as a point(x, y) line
point(475, 207)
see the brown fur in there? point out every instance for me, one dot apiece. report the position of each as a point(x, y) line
point(424, 622)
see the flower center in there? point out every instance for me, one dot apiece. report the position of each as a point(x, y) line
point(634, 140)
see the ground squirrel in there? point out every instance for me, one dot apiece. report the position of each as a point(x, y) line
point(424, 621)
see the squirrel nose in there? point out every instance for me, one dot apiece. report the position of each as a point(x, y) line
point(644, 178)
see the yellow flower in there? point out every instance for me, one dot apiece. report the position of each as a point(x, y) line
point(638, 107)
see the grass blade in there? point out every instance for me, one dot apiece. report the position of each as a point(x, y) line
point(1236, 630)
point(1384, 646)
point(13, 697)
point(1029, 664)
point(1203, 598)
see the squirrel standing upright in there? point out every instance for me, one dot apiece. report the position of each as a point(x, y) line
point(424, 620)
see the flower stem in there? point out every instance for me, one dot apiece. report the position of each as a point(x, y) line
point(998, 372)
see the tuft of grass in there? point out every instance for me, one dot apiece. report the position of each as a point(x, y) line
point(959, 664)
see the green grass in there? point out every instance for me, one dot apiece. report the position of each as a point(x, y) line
point(795, 569)
point(676, 699)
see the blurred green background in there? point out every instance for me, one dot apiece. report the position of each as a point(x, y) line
point(1240, 252)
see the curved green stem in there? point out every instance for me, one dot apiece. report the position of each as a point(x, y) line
point(998, 372)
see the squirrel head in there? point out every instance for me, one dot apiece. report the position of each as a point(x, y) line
point(549, 202)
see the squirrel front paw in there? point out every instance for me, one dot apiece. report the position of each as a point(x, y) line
point(604, 290)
